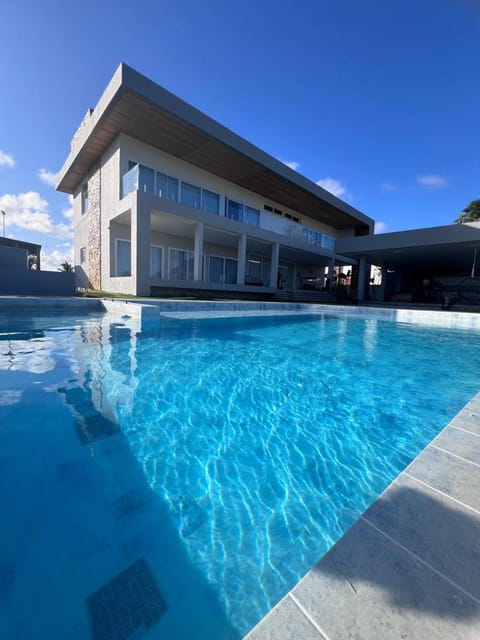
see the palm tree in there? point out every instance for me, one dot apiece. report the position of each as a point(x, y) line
point(66, 267)
point(471, 213)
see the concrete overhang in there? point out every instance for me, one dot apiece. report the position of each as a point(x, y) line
point(445, 250)
point(138, 107)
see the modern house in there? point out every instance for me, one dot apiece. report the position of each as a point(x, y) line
point(166, 200)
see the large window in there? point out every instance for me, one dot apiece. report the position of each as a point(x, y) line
point(258, 268)
point(180, 265)
point(230, 271)
point(83, 254)
point(252, 216)
point(124, 259)
point(222, 270)
point(155, 261)
point(234, 210)
point(146, 179)
point(210, 201)
point(254, 266)
point(167, 187)
point(191, 195)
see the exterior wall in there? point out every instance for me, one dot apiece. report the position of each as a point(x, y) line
point(13, 257)
point(109, 201)
point(78, 135)
point(29, 282)
point(142, 153)
point(91, 227)
point(80, 239)
point(94, 229)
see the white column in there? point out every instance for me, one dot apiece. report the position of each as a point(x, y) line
point(241, 258)
point(140, 238)
point(274, 264)
point(165, 273)
point(198, 251)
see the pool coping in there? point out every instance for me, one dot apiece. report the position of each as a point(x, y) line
point(386, 576)
point(143, 308)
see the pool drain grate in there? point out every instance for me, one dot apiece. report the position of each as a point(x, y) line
point(130, 603)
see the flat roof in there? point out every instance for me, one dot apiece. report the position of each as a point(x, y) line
point(11, 242)
point(140, 108)
point(447, 249)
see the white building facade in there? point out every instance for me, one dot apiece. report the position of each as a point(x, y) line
point(166, 200)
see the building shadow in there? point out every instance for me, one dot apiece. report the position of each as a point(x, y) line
point(431, 538)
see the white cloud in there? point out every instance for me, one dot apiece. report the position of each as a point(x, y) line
point(51, 260)
point(29, 211)
point(389, 186)
point(380, 227)
point(333, 186)
point(432, 181)
point(6, 160)
point(48, 177)
point(293, 164)
point(68, 213)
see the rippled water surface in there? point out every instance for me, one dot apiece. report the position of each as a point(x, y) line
point(239, 450)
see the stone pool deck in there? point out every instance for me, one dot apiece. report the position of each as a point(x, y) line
point(410, 566)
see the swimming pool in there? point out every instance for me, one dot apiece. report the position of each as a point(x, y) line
point(199, 467)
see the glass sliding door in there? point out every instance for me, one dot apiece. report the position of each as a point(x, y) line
point(155, 261)
point(230, 271)
point(180, 265)
point(222, 270)
point(124, 258)
point(215, 269)
point(254, 267)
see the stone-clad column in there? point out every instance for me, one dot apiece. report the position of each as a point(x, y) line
point(94, 230)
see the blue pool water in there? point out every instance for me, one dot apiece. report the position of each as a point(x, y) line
point(216, 459)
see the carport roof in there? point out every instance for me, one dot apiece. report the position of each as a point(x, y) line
point(138, 107)
point(444, 250)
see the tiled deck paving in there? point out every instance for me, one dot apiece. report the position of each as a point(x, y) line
point(410, 567)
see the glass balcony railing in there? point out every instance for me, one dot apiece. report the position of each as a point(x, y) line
point(130, 181)
point(141, 178)
point(320, 240)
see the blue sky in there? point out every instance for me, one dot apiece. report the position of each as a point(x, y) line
point(378, 101)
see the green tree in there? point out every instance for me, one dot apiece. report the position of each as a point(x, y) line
point(66, 267)
point(471, 213)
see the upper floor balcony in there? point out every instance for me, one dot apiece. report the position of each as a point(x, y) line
point(142, 178)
